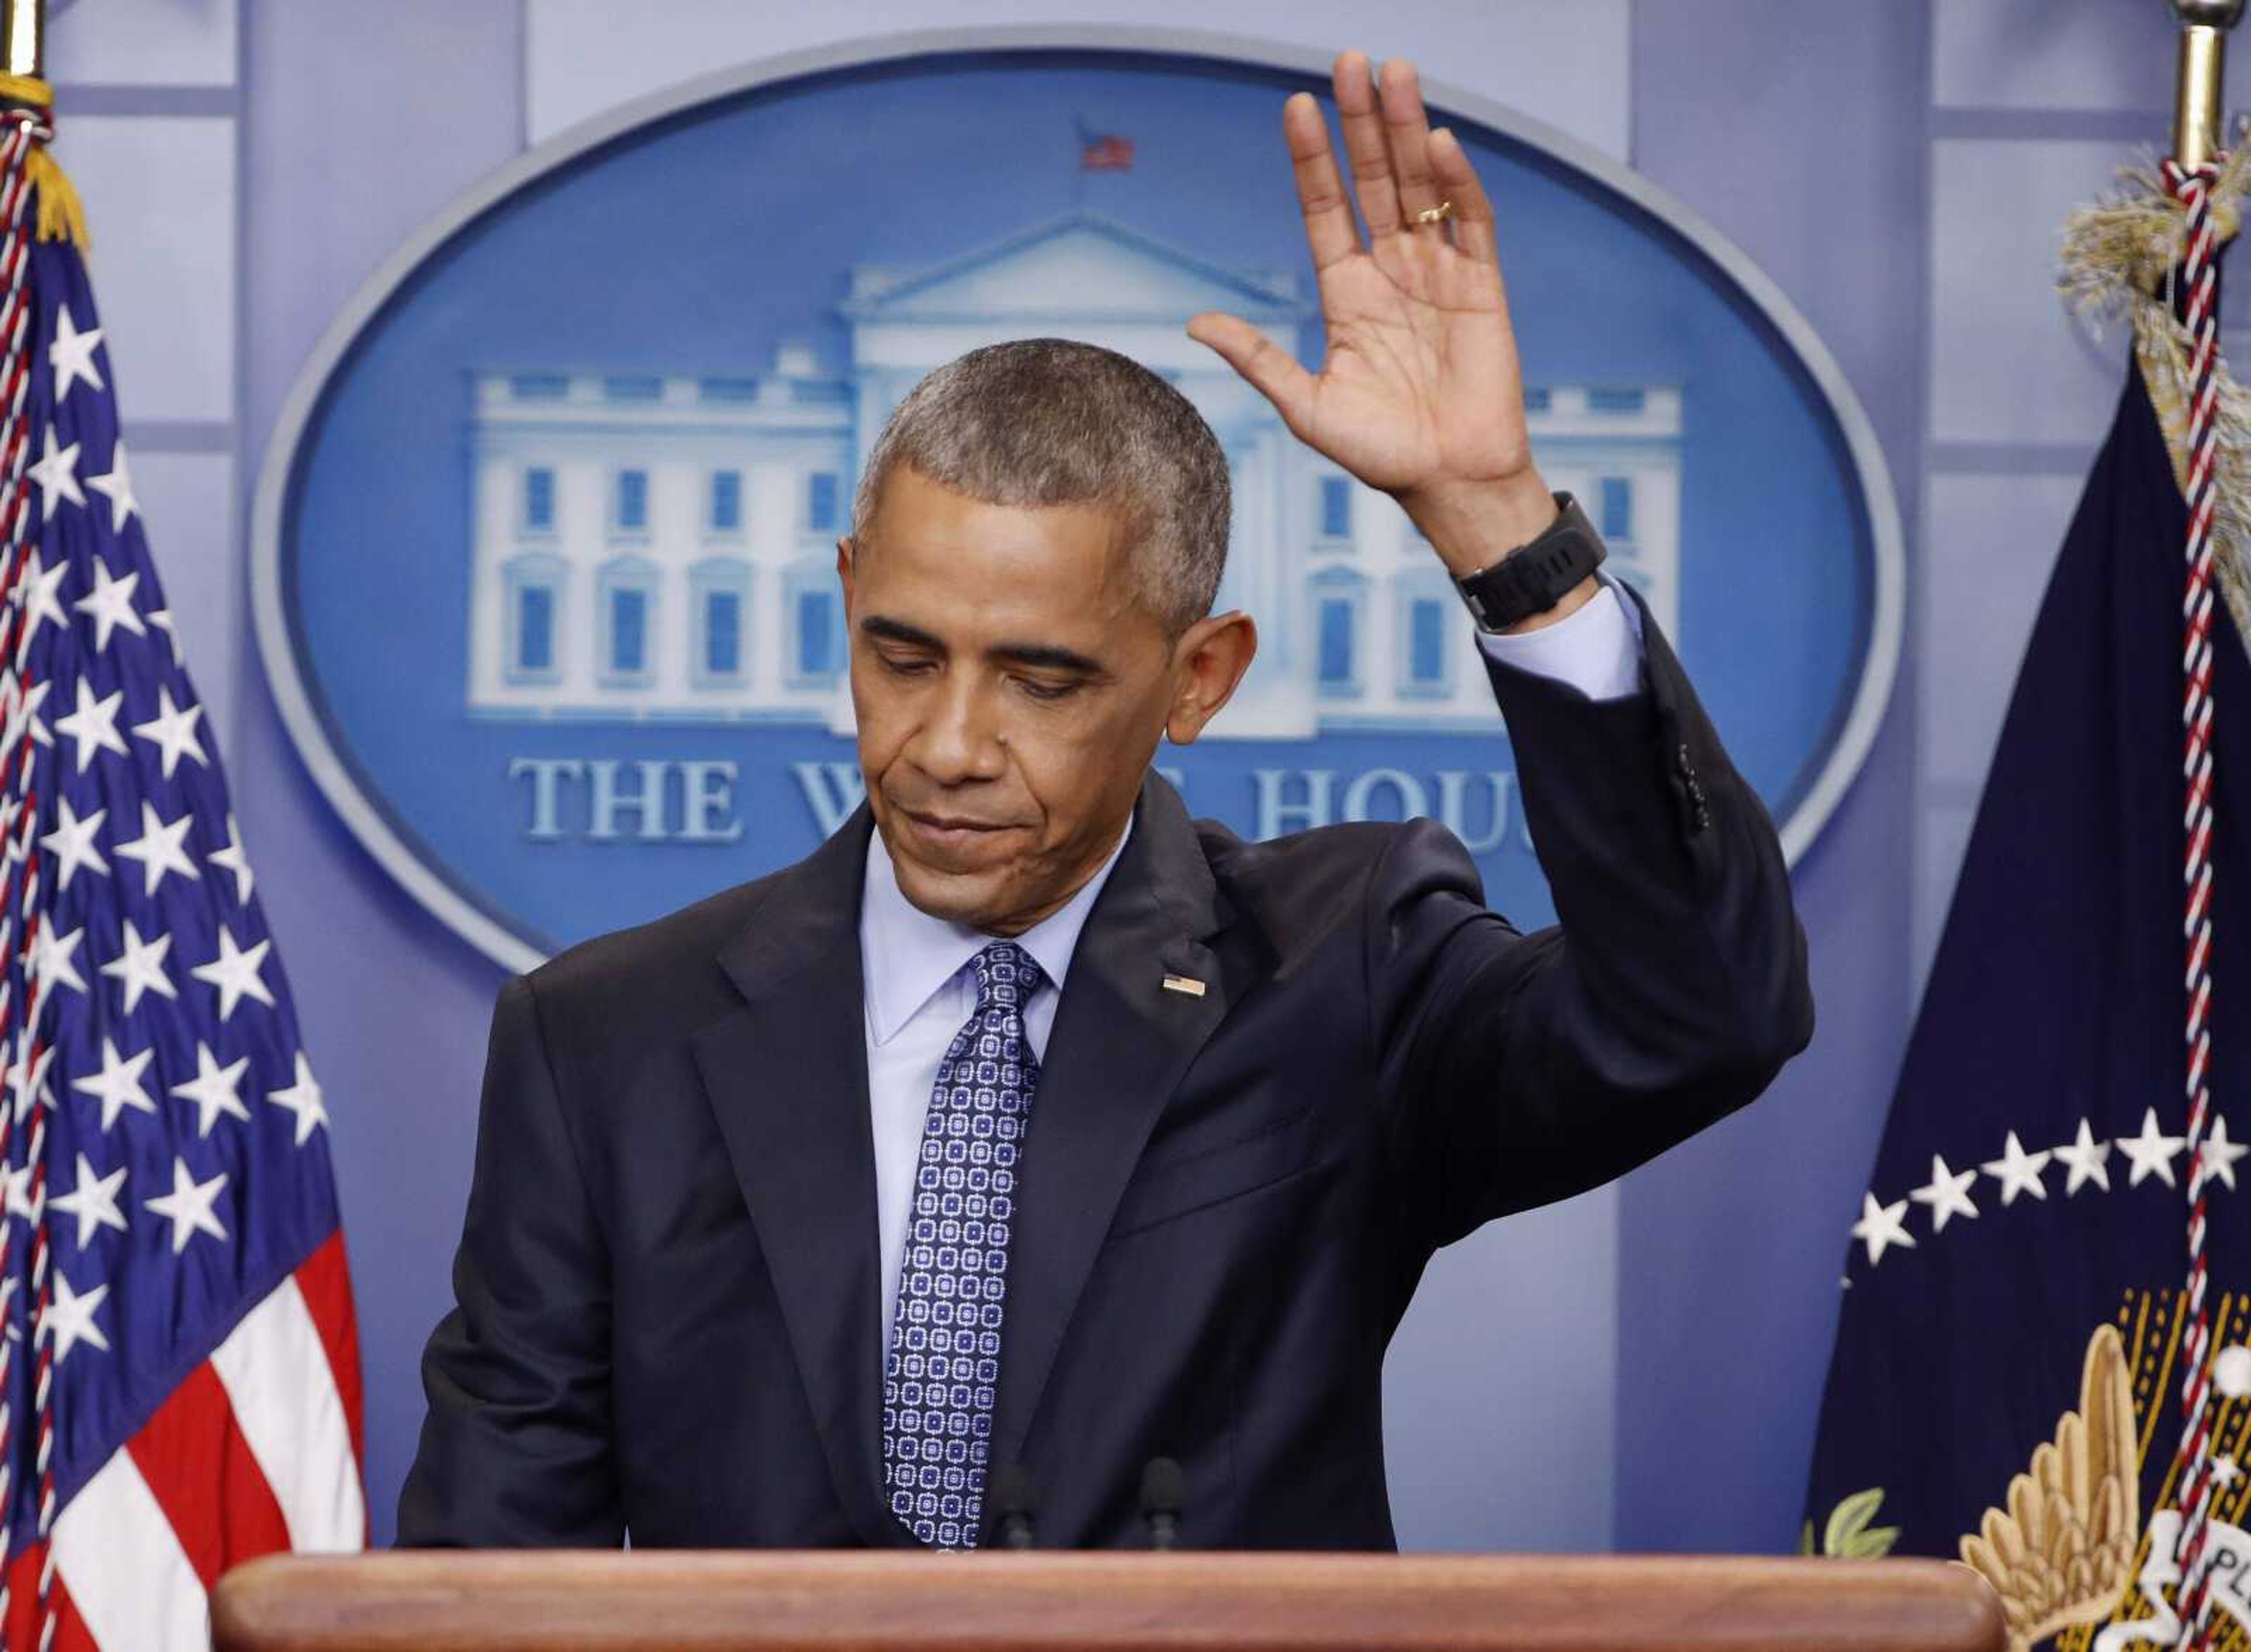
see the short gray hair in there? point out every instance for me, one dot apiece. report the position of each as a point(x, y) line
point(1052, 421)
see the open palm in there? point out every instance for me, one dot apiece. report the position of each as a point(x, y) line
point(1420, 392)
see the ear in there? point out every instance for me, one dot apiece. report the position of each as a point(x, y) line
point(844, 568)
point(1208, 661)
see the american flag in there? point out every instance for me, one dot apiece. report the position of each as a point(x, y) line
point(179, 1370)
point(1103, 151)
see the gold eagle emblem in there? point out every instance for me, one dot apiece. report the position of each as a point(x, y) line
point(2061, 1552)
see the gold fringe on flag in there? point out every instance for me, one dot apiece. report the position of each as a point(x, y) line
point(61, 217)
point(2117, 255)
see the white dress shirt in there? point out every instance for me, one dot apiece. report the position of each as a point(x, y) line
point(1596, 649)
point(920, 990)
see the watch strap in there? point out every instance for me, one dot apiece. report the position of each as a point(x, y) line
point(1537, 574)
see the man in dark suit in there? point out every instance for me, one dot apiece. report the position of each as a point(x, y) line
point(1027, 1122)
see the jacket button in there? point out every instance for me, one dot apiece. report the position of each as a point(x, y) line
point(1703, 818)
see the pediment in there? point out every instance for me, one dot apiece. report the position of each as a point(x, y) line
point(1081, 265)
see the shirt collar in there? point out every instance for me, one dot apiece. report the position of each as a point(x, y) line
point(906, 954)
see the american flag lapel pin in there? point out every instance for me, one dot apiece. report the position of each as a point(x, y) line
point(1189, 984)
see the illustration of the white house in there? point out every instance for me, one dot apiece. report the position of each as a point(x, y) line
point(662, 545)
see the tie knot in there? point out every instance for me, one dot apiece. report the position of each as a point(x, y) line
point(1007, 976)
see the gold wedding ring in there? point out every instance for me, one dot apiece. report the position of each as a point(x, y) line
point(1436, 214)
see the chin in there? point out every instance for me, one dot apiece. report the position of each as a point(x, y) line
point(961, 897)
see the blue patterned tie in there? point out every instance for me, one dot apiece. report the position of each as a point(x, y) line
point(944, 1356)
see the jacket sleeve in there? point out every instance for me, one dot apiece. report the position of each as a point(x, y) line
point(515, 1450)
point(1516, 1068)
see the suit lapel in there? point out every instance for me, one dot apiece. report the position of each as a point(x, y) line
point(1121, 1043)
point(788, 1074)
point(788, 1081)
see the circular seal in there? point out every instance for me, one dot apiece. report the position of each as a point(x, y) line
point(543, 546)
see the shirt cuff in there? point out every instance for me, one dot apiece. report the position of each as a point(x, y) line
point(1596, 649)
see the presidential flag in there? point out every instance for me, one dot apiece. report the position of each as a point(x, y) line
point(2007, 1381)
point(179, 1385)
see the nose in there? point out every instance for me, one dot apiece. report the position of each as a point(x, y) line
point(959, 741)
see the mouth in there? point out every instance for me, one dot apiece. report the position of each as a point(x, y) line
point(953, 837)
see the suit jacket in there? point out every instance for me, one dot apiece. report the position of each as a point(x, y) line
point(669, 1315)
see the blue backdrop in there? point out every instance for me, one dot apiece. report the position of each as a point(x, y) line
point(704, 241)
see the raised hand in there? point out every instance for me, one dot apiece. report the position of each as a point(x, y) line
point(1420, 393)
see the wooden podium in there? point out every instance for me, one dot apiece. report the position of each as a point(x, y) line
point(585, 1601)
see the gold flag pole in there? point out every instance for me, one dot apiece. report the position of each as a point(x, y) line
point(23, 37)
point(2191, 178)
point(24, 87)
point(2200, 79)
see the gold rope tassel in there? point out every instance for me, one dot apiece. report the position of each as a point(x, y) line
point(2117, 253)
point(61, 217)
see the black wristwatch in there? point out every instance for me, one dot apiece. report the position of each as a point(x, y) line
point(1537, 574)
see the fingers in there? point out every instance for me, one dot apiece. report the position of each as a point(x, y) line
point(1362, 120)
point(1274, 371)
point(1407, 136)
point(1458, 182)
point(1329, 227)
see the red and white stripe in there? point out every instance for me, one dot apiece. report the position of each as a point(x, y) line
point(257, 1450)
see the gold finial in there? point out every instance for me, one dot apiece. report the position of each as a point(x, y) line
point(23, 50)
point(23, 44)
point(2201, 79)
